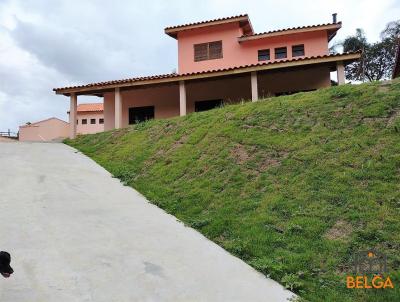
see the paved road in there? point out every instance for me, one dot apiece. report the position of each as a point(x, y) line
point(76, 234)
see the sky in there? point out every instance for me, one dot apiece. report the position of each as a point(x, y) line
point(57, 43)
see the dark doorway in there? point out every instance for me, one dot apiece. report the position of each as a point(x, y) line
point(206, 105)
point(140, 114)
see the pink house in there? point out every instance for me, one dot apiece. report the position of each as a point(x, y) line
point(221, 61)
point(90, 118)
point(51, 129)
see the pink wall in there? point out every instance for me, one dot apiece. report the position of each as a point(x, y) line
point(244, 53)
point(164, 98)
point(43, 131)
point(89, 128)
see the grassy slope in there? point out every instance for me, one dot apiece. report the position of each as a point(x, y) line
point(292, 185)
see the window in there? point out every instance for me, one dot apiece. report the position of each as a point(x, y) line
point(298, 50)
point(280, 53)
point(140, 114)
point(207, 105)
point(84, 121)
point(208, 51)
point(77, 122)
point(101, 121)
point(263, 55)
point(92, 121)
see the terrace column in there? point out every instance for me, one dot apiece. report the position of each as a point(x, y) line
point(340, 73)
point(182, 98)
point(254, 86)
point(118, 108)
point(72, 115)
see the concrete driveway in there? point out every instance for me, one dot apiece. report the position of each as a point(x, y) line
point(76, 234)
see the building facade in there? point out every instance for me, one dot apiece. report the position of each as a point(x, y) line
point(52, 129)
point(221, 61)
point(89, 118)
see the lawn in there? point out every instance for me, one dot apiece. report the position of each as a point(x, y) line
point(293, 185)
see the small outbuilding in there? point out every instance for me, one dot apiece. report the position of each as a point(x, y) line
point(51, 129)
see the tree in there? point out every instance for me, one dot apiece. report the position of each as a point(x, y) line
point(377, 59)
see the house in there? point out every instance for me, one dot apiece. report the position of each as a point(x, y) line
point(51, 129)
point(89, 118)
point(221, 61)
point(396, 70)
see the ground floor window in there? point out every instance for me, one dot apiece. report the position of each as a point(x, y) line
point(140, 114)
point(207, 105)
point(92, 121)
point(101, 121)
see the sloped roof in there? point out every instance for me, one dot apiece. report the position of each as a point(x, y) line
point(243, 20)
point(331, 27)
point(42, 121)
point(90, 107)
point(175, 77)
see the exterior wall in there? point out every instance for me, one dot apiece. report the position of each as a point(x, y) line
point(301, 79)
point(164, 98)
point(44, 131)
point(89, 128)
point(244, 53)
point(230, 90)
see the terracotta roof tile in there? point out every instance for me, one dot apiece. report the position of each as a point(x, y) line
point(90, 107)
point(291, 28)
point(177, 75)
point(207, 21)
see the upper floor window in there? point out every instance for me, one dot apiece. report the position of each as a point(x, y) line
point(263, 55)
point(93, 121)
point(280, 53)
point(84, 121)
point(208, 51)
point(298, 50)
point(101, 121)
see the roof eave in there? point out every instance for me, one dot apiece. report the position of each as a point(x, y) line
point(334, 27)
point(173, 31)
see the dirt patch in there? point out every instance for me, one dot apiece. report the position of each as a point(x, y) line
point(240, 154)
point(393, 116)
point(341, 230)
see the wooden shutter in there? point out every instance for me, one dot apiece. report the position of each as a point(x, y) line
point(200, 52)
point(215, 50)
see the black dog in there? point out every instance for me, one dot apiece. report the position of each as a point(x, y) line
point(5, 268)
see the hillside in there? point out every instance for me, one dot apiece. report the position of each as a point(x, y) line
point(293, 185)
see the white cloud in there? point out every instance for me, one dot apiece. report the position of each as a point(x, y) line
point(46, 44)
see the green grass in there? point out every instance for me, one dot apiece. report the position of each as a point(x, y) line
point(292, 185)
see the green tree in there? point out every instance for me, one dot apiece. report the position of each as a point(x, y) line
point(377, 59)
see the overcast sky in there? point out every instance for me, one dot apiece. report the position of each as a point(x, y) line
point(56, 43)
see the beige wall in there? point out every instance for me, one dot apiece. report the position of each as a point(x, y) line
point(89, 128)
point(47, 130)
point(231, 89)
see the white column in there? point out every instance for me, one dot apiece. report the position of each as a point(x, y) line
point(254, 86)
point(72, 115)
point(340, 73)
point(182, 98)
point(118, 108)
